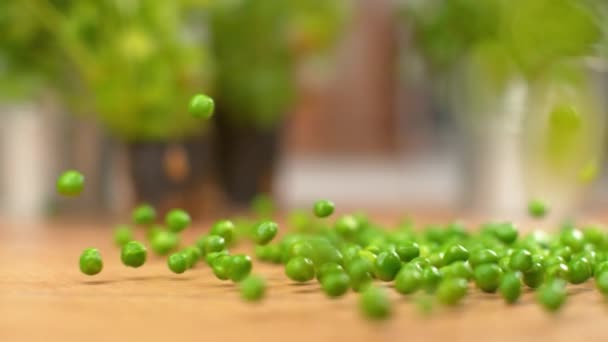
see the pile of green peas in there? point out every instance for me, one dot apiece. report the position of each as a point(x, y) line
point(435, 265)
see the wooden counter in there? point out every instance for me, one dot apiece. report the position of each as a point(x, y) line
point(44, 297)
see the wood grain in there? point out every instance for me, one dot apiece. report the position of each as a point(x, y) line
point(43, 297)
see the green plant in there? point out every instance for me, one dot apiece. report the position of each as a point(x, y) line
point(256, 44)
point(133, 65)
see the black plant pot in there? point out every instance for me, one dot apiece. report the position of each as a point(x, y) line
point(245, 156)
point(151, 170)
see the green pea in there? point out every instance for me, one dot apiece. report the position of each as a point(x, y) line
point(572, 238)
point(177, 220)
point(565, 252)
point(557, 271)
point(70, 183)
point(483, 256)
point(521, 260)
point(510, 287)
point(535, 276)
point(360, 274)
point(455, 252)
point(201, 106)
point(211, 257)
point(91, 262)
point(601, 282)
point(300, 269)
point(408, 280)
point(347, 226)
point(221, 265)
point(163, 242)
point(552, 294)
point(133, 254)
point(594, 235)
point(328, 268)
point(374, 303)
point(335, 284)
point(387, 265)
point(431, 277)
point(600, 267)
point(177, 263)
point(580, 270)
point(225, 229)
point(451, 291)
point(214, 243)
point(437, 259)
point(240, 267)
point(323, 208)
point(458, 269)
point(265, 232)
point(253, 288)
point(122, 235)
point(506, 232)
point(487, 277)
point(144, 214)
point(537, 208)
point(408, 250)
point(192, 255)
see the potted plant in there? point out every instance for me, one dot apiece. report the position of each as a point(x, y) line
point(492, 62)
point(257, 46)
point(134, 66)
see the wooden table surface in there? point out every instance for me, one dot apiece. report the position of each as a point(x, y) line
point(43, 297)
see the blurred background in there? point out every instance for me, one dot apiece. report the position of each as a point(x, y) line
point(439, 106)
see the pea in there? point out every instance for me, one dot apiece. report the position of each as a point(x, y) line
point(408, 250)
point(225, 229)
point(265, 232)
point(573, 238)
point(211, 257)
point(601, 282)
point(214, 243)
point(240, 267)
point(455, 252)
point(374, 303)
point(328, 268)
point(323, 208)
point(487, 277)
point(300, 269)
point(360, 274)
point(510, 287)
point(521, 260)
point(557, 271)
point(458, 269)
point(144, 214)
point(483, 256)
point(347, 226)
point(122, 235)
point(220, 265)
point(177, 220)
point(600, 267)
point(594, 235)
point(431, 277)
point(408, 280)
point(192, 255)
point(201, 106)
point(91, 262)
point(565, 252)
point(177, 263)
point(537, 208)
point(133, 254)
point(387, 265)
point(437, 259)
point(163, 242)
point(580, 270)
point(253, 288)
point(552, 294)
point(451, 291)
point(70, 183)
point(335, 284)
point(506, 232)
point(535, 276)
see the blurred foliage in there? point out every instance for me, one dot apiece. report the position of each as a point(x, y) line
point(256, 45)
point(526, 36)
